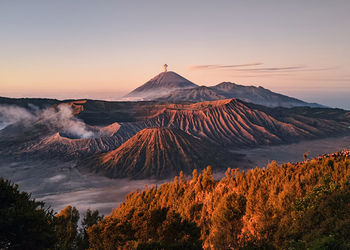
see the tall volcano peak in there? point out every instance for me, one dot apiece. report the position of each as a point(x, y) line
point(161, 84)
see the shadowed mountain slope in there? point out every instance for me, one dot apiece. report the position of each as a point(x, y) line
point(160, 153)
point(227, 90)
point(29, 102)
point(102, 113)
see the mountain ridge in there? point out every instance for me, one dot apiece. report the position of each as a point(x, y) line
point(226, 90)
point(234, 123)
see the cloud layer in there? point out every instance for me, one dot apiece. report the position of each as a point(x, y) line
point(220, 66)
point(248, 68)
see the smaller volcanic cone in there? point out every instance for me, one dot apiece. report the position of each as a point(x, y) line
point(159, 153)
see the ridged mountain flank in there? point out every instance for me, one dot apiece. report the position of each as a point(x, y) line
point(233, 123)
point(159, 153)
point(160, 85)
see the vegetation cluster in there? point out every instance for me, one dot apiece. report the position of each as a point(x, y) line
point(304, 205)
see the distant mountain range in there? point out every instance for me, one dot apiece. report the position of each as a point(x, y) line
point(169, 86)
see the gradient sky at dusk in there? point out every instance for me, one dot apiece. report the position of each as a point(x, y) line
point(103, 49)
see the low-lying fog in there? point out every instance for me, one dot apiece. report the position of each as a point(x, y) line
point(60, 184)
point(294, 152)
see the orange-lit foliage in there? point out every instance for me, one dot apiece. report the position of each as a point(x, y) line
point(292, 205)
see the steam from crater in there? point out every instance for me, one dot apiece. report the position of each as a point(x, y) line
point(64, 120)
point(60, 119)
point(12, 114)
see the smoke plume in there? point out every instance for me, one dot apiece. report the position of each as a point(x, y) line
point(12, 114)
point(60, 119)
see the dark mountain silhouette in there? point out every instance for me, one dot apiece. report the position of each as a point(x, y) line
point(160, 85)
point(160, 153)
point(28, 102)
point(226, 90)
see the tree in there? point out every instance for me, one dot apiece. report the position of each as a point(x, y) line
point(145, 229)
point(91, 218)
point(24, 222)
point(207, 179)
point(227, 222)
point(67, 227)
point(110, 233)
point(321, 218)
point(179, 233)
point(306, 155)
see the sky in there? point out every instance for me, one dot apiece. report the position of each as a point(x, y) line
point(103, 49)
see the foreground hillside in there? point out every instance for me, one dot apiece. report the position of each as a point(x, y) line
point(291, 206)
point(305, 205)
